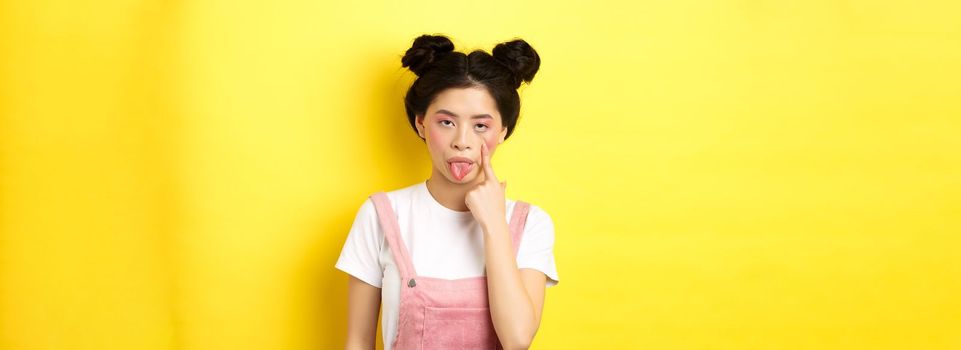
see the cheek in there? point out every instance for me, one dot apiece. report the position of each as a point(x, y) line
point(491, 143)
point(435, 138)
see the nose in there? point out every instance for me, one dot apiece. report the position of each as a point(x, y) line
point(462, 140)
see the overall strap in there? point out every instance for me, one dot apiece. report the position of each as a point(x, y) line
point(388, 222)
point(518, 218)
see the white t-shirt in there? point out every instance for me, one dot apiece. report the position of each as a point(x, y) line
point(443, 243)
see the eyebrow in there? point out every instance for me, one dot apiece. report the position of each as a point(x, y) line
point(478, 116)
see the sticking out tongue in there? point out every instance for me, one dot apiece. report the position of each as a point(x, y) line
point(460, 169)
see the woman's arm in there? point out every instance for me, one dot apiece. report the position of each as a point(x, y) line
point(363, 306)
point(516, 296)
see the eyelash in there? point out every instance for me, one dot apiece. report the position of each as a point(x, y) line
point(485, 126)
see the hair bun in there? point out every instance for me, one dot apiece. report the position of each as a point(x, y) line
point(424, 51)
point(520, 58)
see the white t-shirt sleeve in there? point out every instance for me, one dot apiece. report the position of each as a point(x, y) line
point(537, 245)
point(360, 256)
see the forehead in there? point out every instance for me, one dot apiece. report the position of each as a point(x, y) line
point(465, 102)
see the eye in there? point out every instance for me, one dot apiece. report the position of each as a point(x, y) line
point(442, 122)
point(482, 125)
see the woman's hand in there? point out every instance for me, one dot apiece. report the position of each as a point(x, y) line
point(486, 201)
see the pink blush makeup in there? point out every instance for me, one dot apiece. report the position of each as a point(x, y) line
point(491, 145)
point(436, 139)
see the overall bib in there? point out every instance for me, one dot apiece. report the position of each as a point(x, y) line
point(438, 313)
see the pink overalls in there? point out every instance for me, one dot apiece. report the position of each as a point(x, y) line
point(438, 313)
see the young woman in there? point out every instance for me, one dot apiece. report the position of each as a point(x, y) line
point(456, 264)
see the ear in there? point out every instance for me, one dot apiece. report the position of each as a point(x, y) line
point(419, 123)
point(502, 135)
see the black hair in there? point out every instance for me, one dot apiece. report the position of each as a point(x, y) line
point(438, 67)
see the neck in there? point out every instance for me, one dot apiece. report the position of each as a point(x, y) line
point(449, 194)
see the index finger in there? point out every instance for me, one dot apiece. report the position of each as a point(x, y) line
point(486, 156)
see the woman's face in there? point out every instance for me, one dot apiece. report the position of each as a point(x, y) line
point(455, 125)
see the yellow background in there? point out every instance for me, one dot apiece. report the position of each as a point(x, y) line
point(721, 174)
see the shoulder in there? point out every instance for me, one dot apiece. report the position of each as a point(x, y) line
point(368, 214)
point(403, 194)
point(535, 214)
point(539, 223)
point(394, 196)
point(536, 249)
point(366, 221)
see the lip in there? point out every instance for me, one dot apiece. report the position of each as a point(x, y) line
point(460, 159)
